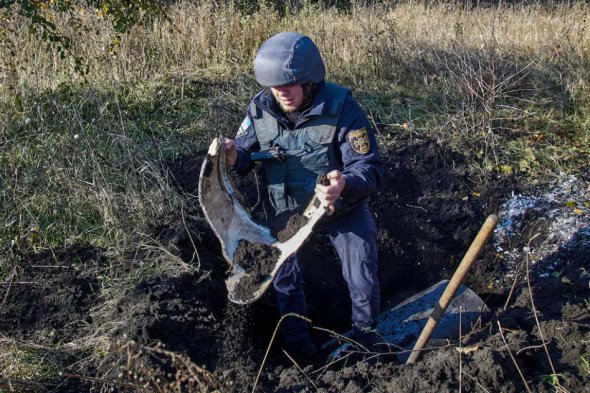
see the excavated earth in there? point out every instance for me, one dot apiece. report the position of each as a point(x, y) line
point(258, 261)
point(534, 275)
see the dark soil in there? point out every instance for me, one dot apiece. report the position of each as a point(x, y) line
point(428, 210)
point(258, 260)
point(49, 296)
point(296, 222)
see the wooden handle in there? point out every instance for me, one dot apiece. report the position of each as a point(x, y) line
point(456, 281)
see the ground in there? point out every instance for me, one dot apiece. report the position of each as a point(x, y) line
point(177, 332)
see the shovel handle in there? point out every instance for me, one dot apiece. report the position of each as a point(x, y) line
point(454, 284)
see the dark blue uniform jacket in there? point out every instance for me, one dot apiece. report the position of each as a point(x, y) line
point(355, 141)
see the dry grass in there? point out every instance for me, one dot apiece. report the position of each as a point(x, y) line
point(25, 365)
point(363, 42)
point(134, 368)
point(85, 159)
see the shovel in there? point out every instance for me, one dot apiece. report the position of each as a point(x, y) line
point(399, 326)
point(439, 312)
point(253, 254)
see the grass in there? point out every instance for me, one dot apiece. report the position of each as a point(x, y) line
point(553, 380)
point(85, 160)
point(24, 364)
point(586, 363)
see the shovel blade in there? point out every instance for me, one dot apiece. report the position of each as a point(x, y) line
point(400, 326)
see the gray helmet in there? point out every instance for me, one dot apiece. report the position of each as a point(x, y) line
point(287, 58)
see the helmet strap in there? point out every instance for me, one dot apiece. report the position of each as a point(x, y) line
point(308, 91)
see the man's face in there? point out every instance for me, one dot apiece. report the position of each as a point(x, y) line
point(289, 97)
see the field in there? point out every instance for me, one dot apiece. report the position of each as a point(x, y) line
point(112, 280)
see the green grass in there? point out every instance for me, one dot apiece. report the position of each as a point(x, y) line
point(586, 363)
point(88, 165)
point(553, 380)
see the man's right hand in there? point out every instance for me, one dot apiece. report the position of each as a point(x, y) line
point(231, 152)
point(328, 194)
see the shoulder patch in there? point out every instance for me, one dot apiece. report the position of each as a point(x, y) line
point(247, 123)
point(359, 141)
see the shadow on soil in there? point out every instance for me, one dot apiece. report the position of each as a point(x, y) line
point(428, 212)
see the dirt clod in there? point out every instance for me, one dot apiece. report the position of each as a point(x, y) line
point(295, 222)
point(258, 260)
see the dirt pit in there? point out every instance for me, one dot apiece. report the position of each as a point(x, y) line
point(178, 332)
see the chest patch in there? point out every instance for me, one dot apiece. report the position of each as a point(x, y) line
point(359, 141)
point(247, 123)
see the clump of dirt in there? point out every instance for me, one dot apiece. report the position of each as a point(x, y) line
point(256, 258)
point(296, 222)
point(258, 261)
point(236, 363)
point(184, 312)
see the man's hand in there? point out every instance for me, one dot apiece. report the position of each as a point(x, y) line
point(329, 194)
point(231, 153)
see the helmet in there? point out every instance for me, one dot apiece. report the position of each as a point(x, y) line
point(287, 58)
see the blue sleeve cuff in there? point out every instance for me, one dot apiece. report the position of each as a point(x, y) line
point(243, 162)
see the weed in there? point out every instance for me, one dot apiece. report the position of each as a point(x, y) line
point(30, 362)
point(553, 381)
point(135, 370)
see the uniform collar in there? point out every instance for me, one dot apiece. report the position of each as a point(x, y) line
point(318, 104)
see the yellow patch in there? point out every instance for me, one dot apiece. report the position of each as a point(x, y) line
point(359, 141)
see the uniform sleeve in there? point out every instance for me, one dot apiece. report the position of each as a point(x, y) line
point(362, 165)
point(247, 143)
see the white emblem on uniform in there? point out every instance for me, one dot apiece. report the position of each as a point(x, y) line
point(247, 123)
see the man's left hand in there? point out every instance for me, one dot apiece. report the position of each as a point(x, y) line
point(330, 193)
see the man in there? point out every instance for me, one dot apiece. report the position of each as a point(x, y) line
point(320, 129)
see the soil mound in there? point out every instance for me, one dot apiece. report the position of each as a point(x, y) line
point(48, 297)
point(184, 313)
point(428, 212)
